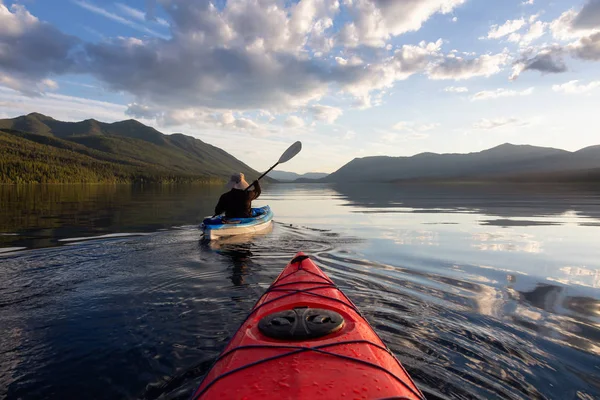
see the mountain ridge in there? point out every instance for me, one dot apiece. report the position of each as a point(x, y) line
point(505, 160)
point(131, 150)
point(285, 176)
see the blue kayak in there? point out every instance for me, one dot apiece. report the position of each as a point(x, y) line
point(217, 227)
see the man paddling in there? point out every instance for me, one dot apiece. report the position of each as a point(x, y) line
point(237, 203)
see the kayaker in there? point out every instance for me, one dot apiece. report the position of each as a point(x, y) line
point(237, 203)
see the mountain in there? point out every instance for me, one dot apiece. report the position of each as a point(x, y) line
point(292, 176)
point(38, 148)
point(503, 161)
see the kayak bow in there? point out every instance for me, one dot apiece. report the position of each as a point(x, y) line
point(304, 339)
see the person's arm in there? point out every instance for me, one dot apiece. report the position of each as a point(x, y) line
point(220, 208)
point(257, 190)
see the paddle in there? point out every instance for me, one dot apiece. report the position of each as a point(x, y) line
point(290, 153)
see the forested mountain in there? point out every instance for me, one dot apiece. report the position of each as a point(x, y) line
point(505, 161)
point(38, 148)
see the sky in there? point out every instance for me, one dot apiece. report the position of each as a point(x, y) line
point(349, 78)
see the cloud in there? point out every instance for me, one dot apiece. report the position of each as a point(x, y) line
point(362, 81)
point(375, 21)
point(391, 137)
point(586, 48)
point(117, 18)
point(349, 135)
point(410, 126)
point(547, 61)
point(294, 121)
point(245, 55)
point(209, 77)
point(455, 89)
point(326, 113)
point(458, 68)
point(573, 87)
point(139, 14)
point(536, 31)
point(510, 26)
point(589, 16)
point(574, 25)
point(141, 111)
point(528, 3)
point(494, 94)
point(31, 51)
point(490, 124)
point(65, 108)
point(245, 123)
point(196, 117)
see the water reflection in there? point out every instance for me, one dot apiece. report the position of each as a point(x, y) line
point(472, 310)
point(235, 255)
point(35, 216)
point(494, 200)
point(506, 241)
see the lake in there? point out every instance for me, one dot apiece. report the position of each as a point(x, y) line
point(108, 291)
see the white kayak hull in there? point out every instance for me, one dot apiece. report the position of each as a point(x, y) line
point(215, 228)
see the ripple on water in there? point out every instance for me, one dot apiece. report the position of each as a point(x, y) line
point(117, 317)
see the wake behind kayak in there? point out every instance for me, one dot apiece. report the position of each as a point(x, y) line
point(304, 339)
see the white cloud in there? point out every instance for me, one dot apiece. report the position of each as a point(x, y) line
point(139, 14)
point(494, 94)
point(574, 24)
point(391, 137)
point(510, 26)
point(375, 21)
point(402, 126)
point(326, 113)
point(65, 108)
point(573, 87)
point(349, 135)
point(294, 121)
point(117, 18)
point(427, 127)
point(490, 124)
point(226, 118)
point(245, 123)
point(536, 31)
point(366, 83)
point(410, 126)
point(528, 2)
point(455, 89)
point(47, 84)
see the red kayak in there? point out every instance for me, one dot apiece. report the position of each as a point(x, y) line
point(304, 339)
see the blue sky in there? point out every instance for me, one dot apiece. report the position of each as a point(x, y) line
point(350, 78)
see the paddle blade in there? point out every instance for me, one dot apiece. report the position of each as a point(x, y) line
point(290, 153)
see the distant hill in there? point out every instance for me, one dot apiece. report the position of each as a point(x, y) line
point(504, 161)
point(38, 148)
point(284, 176)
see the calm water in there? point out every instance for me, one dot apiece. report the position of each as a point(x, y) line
point(108, 292)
